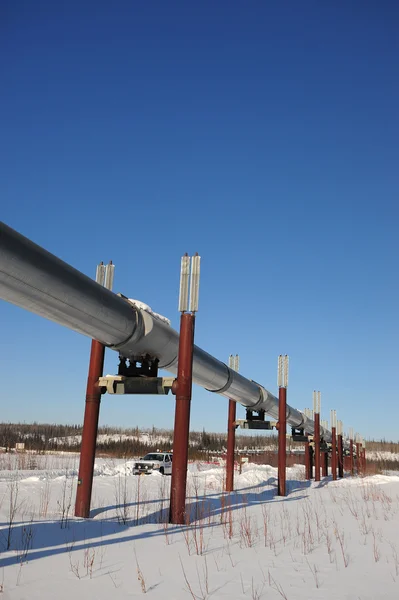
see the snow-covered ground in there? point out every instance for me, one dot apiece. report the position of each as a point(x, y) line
point(333, 540)
point(382, 455)
point(109, 438)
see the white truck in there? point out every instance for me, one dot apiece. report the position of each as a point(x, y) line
point(154, 461)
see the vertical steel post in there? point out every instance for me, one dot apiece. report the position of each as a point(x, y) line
point(333, 420)
point(182, 387)
point(364, 457)
point(317, 446)
point(89, 433)
point(333, 453)
point(324, 454)
point(231, 432)
point(340, 456)
point(282, 382)
point(358, 458)
point(308, 461)
point(340, 443)
point(282, 441)
point(104, 276)
point(351, 462)
point(324, 464)
point(316, 438)
point(311, 460)
point(231, 436)
point(310, 413)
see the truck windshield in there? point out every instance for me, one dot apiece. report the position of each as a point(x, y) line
point(153, 457)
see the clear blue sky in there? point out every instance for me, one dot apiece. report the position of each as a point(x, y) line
point(263, 135)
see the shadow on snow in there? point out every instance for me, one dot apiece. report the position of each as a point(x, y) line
point(50, 539)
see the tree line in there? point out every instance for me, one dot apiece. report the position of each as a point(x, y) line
point(43, 437)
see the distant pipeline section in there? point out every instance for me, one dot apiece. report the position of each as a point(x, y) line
point(38, 281)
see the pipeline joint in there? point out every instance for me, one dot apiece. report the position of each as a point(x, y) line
point(227, 384)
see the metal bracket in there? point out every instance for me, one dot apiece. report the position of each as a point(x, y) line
point(256, 424)
point(255, 415)
point(323, 446)
point(255, 420)
point(147, 367)
point(298, 434)
point(118, 384)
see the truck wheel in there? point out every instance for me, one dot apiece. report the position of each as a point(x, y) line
point(162, 470)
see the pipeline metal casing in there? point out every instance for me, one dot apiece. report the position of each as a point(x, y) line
point(38, 281)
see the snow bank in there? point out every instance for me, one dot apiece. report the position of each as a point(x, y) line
point(325, 540)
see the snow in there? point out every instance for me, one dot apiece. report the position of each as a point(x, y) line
point(109, 438)
point(325, 540)
point(143, 306)
point(382, 455)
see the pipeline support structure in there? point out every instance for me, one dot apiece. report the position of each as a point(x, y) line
point(89, 434)
point(36, 280)
point(282, 382)
point(182, 420)
point(234, 363)
point(316, 438)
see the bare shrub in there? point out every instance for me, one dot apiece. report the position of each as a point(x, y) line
point(376, 550)
point(89, 557)
point(340, 535)
point(248, 529)
point(395, 558)
point(197, 531)
point(140, 575)
point(315, 572)
point(203, 581)
point(277, 587)
point(65, 502)
point(12, 509)
point(256, 592)
point(266, 520)
point(27, 534)
point(44, 502)
point(122, 499)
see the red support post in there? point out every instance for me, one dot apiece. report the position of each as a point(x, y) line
point(282, 441)
point(311, 461)
point(89, 434)
point(182, 388)
point(358, 459)
point(324, 464)
point(308, 461)
point(352, 466)
point(364, 461)
point(334, 453)
point(316, 440)
point(340, 456)
point(231, 440)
